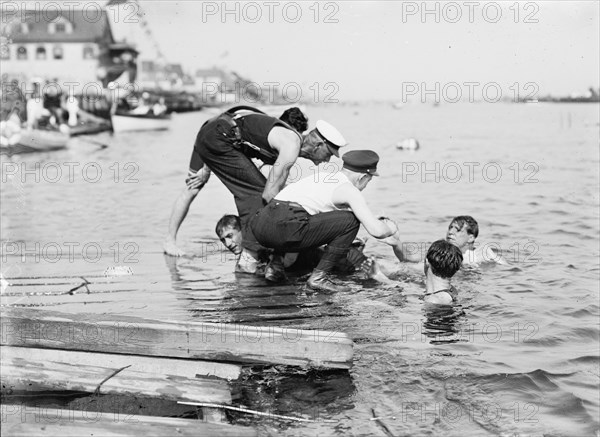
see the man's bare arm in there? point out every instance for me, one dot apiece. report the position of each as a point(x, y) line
point(347, 194)
point(287, 143)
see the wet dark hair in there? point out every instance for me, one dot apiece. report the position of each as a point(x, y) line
point(444, 259)
point(295, 118)
point(227, 221)
point(472, 226)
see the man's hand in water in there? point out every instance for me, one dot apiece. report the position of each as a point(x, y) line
point(170, 248)
point(198, 180)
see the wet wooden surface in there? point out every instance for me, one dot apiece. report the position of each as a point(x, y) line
point(208, 341)
point(21, 373)
point(166, 366)
point(76, 423)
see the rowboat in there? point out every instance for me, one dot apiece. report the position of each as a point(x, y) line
point(35, 140)
point(88, 124)
point(124, 122)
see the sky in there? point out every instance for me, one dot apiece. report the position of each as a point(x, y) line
point(380, 50)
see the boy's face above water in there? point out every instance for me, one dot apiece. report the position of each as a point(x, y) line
point(459, 236)
point(231, 239)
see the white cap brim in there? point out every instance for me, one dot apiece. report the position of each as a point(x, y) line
point(331, 134)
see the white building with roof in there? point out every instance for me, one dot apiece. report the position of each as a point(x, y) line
point(72, 47)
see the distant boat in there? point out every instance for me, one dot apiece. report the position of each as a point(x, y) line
point(89, 124)
point(408, 144)
point(126, 122)
point(36, 140)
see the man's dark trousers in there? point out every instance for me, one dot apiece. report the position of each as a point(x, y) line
point(287, 227)
point(236, 171)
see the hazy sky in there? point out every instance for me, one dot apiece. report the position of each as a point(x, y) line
point(375, 47)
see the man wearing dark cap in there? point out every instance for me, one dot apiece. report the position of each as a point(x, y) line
point(327, 211)
point(225, 146)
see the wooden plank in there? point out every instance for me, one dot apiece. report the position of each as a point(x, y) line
point(26, 421)
point(166, 366)
point(20, 374)
point(208, 341)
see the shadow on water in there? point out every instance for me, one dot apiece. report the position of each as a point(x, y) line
point(444, 323)
point(245, 298)
point(39, 405)
point(310, 394)
point(227, 297)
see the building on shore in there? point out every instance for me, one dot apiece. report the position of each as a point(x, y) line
point(71, 48)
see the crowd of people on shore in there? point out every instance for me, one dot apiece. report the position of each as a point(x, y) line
point(311, 224)
point(42, 108)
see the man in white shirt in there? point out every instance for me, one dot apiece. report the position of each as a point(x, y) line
point(326, 211)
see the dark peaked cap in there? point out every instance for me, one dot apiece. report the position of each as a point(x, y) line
point(361, 161)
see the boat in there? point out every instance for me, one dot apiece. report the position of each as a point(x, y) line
point(88, 124)
point(35, 140)
point(124, 122)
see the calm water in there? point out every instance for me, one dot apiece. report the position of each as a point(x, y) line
point(519, 355)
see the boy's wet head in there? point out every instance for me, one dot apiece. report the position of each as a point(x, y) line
point(444, 259)
point(229, 231)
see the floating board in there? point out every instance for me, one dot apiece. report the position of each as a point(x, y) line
point(23, 374)
point(165, 366)
point(207, 341)
point(21, 421)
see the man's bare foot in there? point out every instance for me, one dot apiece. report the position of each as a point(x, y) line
point(170, 248)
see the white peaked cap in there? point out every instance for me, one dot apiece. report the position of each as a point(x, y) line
point(331, 134)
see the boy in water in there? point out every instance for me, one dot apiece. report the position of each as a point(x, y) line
point(462, 232)
point(442, 261)
point(229, 231)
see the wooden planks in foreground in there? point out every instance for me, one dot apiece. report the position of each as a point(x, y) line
point(165, 366)
point(20, 421)
point(207, 341)
point(20, 373)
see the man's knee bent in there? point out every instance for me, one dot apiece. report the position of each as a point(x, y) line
point(350, 221)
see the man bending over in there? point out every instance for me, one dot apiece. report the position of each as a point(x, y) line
point(229, 231)
point(328, 211)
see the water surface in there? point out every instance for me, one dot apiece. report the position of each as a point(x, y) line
point(518, 355)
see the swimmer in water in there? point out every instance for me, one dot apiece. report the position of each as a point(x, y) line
point(442, 261)
point(462, 232)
